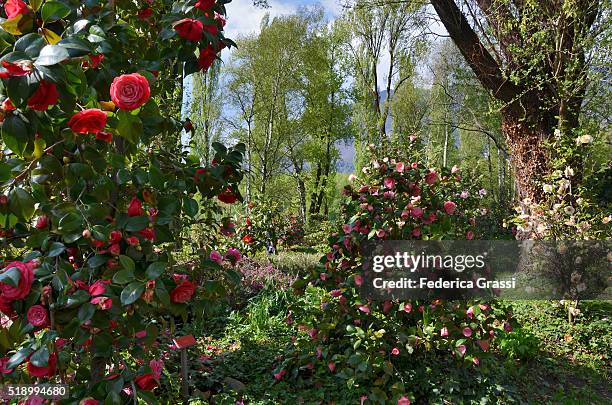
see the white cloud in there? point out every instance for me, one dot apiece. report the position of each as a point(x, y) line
point(244, 18)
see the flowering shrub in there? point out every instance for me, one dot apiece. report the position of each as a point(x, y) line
point(257, 227)
point(292, 233)
point(87, 205)
point(363, 341)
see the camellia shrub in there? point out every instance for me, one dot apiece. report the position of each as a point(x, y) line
point(366, 342)
point(89, 207)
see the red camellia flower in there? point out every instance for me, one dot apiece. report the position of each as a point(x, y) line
point(247, 239)
point(104, 136)
point(92, 121)
point(189, 29)
point(89, 401)
point(3, 369)
point(38, 316)
point(135, 207)
point(16, 69)
point(205, 4)
point(44, 96)
point(7, 105)
point(208, 56)
point(183, 292)
point(47, 371)
point(13, 8)
point(42, 222)
point(212, 29)
point(133, 241)
point(227, 196)
point(145, 13)
point(146, 382)
point(104, 303)
point(148, 234)
point(94, 61)
point(10, 293)
point(130, 92)
point(6, 308)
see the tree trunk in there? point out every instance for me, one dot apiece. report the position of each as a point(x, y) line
point(529, 158)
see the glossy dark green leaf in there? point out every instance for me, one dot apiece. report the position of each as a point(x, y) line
point(54, 10)
point(15, 134)
point(52, 55)
point(155, 270)
point(132, 292)
point(11, 277)
point(21, 203)
point(56, 249)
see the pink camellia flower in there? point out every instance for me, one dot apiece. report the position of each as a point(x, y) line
point(464, 194)
point(89, 401)
point(347, 228)
point(332, 366)
point(365, 309)
point(60, 342)
point(408, 307)
point(103, 303)
point(313, 333)
point(430, 219)
point(156, 368)
point(405, 214)
point(147, 234)
point(403, 400)
point(130, 91)
point(380, 233)
point(280, 374)
point(358, 279)
point(389, 183)
point(417, 212)
point(470, 312)
point(387, 305)
point(431, 177)
point(141, 334)
point(395, 351)
point(484, 345)
point(507, 327)
point(36, 400)
point(455, 169)
point(133, 241)
point(336, 293)
point(416, 232)
point(216, 257)
point(444, 332)
point(97, 288)
point(8, 293)
point(38, 316)
point(462, 349)
point(400, 167)
point(467, 332)
point(450, 207)
point(483, 307)
point(13, 8)
point(469, 235)
point(476, 361)
point(233, 255)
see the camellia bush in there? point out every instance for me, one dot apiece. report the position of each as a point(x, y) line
point(89, 202)
point(366, 342)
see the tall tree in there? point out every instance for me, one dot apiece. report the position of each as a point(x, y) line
point(533, 57)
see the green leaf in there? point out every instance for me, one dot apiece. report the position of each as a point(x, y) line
point(15, 134)
point(155, 270)
point(78, 298)
point(123, 276)
point(56, 249)
point(127, 263)
point(86, 312)
point(191, 207)
point(35, 4)
point(54, 10)
point(11, 277)
point(132, 292)
point(19, 357)
point(40, 358)
point(136, 224)
point(52, 55)
point(97, 261)
point(129, 127)
point(5, 172)
point(21, 203)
